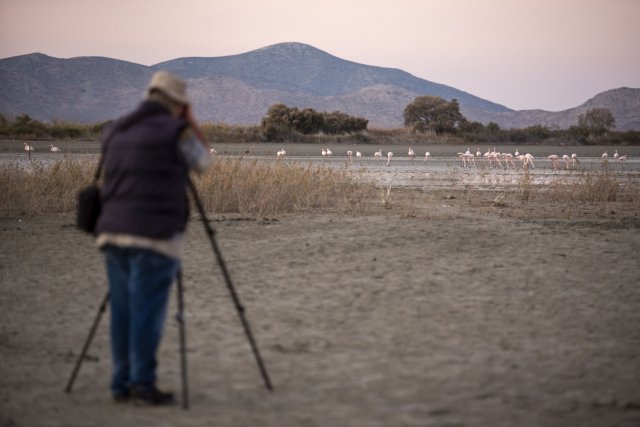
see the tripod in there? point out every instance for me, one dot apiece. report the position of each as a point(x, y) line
point(180, 316)
point(183, 342)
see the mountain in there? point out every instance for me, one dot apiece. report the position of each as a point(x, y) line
point(85, 89)
point(624, 104)
point(239, 89)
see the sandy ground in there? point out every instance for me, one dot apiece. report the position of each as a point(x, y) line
point(457, 312)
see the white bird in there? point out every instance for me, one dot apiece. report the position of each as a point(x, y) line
point(427, 155)
point(605, 156)
point(412, 154)
point(495, 155)
point(527, 160)
point(622, 158)
point(28, 148)
point(378, 155)
point(478, 153)
point(470, 158)
point(212, 151)
point(281, 153)
point(359, 157)
point(508, 158)
point(54, 149)
point(329, 153)
point(517, 153)
point(574, 159)
point(566, 159)
point(389, 156)
point(616, 155)
point(488, 158)
point(349, 154)
point(324, 152)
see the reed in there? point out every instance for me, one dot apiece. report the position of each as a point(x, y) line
point(590, 188)
point(39, 189)
point(260, 188)
point(230, 186)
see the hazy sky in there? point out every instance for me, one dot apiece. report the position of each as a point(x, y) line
point(525, 54)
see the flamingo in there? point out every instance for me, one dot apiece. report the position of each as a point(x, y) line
point(622, 158)
point(28, 148)
point(508, 158)
point(54, 149)
point(281, 154)
point(605, 156)
point(212, 151)
point(616, 155)
point(359, 157)
point(574, 159)
point(478, 153)
point(378, 155)
point(470, 158)
point(517, 153)
point(412, 154)
point(389, 156)
point(495, 155)
point(324, 152)
point(349, 154)
point(466, 157)
point(427, 155)
point(566, 159)
point(329, 153)
point(528, 160)
point(488, 158)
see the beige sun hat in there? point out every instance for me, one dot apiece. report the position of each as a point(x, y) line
point(169, 84)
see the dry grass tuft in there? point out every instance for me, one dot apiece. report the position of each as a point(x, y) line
point(259, 188)
point(39, 189)
point(591, 188)
point(230, 186)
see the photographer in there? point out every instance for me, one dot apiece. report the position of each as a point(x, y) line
point(140, 229)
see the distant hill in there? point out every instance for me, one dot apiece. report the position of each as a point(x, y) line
point(238, 89)
point(624, 104)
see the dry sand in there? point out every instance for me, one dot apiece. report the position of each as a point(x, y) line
point(458, 312)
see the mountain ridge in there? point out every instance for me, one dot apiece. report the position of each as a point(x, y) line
point(238, 89)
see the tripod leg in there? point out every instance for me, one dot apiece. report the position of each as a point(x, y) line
point(87, 343)
point(234, 296)
point(183, 350)
point(241, 311)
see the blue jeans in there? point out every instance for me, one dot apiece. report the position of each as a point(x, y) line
point(139, 283)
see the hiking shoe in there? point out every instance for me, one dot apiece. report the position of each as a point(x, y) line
point(151, 396)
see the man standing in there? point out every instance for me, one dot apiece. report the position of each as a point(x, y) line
point(140, 229)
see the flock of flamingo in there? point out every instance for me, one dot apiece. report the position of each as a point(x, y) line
point(468, 159)
point(29, 148)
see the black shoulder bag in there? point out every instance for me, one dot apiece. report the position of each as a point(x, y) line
point(89, 204)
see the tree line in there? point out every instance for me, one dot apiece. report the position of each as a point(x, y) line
point(427, 119)
point(283, 123)
point(439, 116)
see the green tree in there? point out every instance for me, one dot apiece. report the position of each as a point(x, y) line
point(308, 121)
point(597, 121)
point(276, 125)
point(493, 128)
point(433, 113)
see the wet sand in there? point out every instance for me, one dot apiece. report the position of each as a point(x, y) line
point(457, 311)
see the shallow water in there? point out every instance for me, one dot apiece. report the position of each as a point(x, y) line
point(442, 170)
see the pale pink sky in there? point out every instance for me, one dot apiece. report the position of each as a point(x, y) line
point(525, 54)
